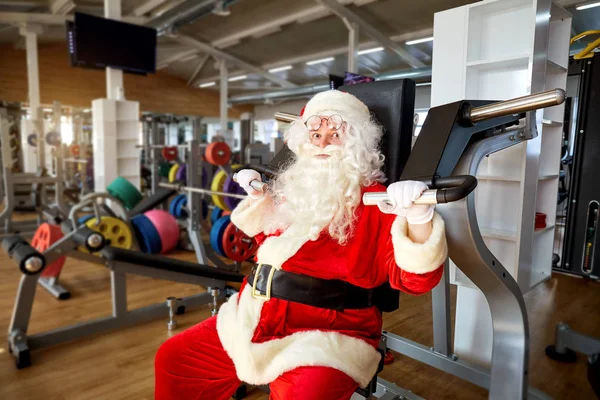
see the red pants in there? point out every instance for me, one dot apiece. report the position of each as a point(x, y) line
point(193, 365)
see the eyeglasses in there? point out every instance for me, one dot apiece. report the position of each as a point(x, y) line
point(333, 122)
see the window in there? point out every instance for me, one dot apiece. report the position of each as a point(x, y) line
point(422, 113)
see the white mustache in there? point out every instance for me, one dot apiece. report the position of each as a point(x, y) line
point(312, 150)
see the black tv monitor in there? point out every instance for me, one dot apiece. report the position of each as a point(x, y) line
point(100, 42)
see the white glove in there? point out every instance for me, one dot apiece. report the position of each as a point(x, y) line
point(401, 196)
point(244, 177)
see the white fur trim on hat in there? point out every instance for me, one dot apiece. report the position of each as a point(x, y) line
point(335, 101)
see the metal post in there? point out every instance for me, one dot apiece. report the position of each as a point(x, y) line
point(247, 130)
point(353, 38)
point(114, 77)
point(440, 299)
point(223, 97)
point(195, 202)
point(154, 154)
point(119, 293)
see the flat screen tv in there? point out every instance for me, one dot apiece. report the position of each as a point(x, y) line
point(96, 42)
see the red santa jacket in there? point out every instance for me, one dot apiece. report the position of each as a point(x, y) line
point(267, 338)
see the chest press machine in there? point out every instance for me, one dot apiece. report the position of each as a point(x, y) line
point(454, 139)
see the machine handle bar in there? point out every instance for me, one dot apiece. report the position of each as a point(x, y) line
point(443, 190)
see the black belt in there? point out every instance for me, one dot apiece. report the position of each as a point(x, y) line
point(268, 282)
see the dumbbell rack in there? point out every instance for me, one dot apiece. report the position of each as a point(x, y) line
point(38, 183)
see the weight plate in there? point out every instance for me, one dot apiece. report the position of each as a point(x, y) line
point(238, 246)
point(32, 140)
point(75, 150)
point(53, 138)
point(217, 153)
point(163, 169)
point(216, 234)
point(179, 208)
point(84, 219)
point(45, 236)
point(181, 174)
point(173, 172)
point(215, 214)
point(173, 204)
point(167, 227)
point(231, 186)
point(115, 231)
point(217, 186)
point(169, 153)
point(124, 190)
point(146, 234)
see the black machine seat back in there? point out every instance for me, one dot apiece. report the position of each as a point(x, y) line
point(393, 105)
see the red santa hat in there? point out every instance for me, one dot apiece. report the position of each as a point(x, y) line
point(326, 103)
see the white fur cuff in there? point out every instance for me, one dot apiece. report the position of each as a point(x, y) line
point(249, 214)
point(419, 258)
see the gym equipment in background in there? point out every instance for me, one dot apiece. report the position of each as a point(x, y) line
point(582, 239)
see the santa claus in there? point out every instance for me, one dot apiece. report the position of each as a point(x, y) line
point(305, 321)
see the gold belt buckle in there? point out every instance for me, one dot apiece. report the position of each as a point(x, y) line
point(255, 292)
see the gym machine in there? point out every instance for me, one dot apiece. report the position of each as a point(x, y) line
point(120, 262)
point(37, 182)
point(581, 233)
point(455, 138)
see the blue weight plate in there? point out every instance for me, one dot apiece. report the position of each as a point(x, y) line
point(146, 234)
point(216, 234)
point(215, 215)
point(179, 211)
point(174, 203)
point(85, 218)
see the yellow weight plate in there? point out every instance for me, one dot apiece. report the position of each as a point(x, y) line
point(114, 230)
point(173, 172)
point(217, 186)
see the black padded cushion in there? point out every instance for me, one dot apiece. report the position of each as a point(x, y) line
point(149, 203)
point(169, 264)
point(393, 104)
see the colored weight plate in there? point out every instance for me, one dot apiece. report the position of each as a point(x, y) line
point(217, 153)
point(170, 153)
point(215, 214)
point(114, 230)
point(181, 174)
point(146, 234)
point(75, 150)
point(167, 227)
point(216, 234)
point(217, 186)
point(32, 140)
point(173, 203)
point(53, 138)
point(231, 186)
point(84, 219)
point(163, 169)
point(179, 208)
point(238, 246)
point(45, 236)
point(173, 172)
point(124, 190)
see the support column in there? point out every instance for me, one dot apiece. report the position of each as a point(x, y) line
point(223, 96)
point(114, 77)
point(353, 38)
point(35, 125)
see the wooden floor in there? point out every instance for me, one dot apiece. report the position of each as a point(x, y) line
point(119, 365)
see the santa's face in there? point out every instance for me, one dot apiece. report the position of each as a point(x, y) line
point(325, 131)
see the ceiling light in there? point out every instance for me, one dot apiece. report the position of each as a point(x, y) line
point(589, 5)
point(373, 50)
point(424, 84)
point(279, 69)
point(322, 60)
point(207, 84)
point(237, 78)
point(411, 42)
point(220, 9)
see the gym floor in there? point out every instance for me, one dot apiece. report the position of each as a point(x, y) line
point(119, 364)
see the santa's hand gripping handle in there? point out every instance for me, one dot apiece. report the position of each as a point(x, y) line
point(443, 190)
point(255, 184)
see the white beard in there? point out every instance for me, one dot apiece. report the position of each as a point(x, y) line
point(315, 193)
